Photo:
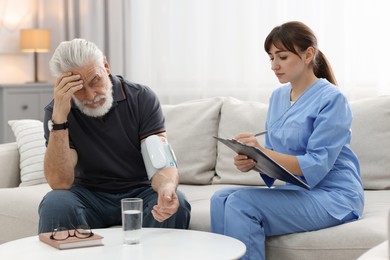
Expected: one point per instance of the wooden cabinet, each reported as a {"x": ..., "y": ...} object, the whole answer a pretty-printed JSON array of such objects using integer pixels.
[{"x": 22, "y": 101}]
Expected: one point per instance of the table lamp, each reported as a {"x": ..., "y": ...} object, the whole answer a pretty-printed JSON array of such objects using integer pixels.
[{"x": 35, "y": 40}]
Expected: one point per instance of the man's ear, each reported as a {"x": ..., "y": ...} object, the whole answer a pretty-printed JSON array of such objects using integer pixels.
[
  {"x": 106, "y": 66},
  {"x": 309, "y": 55}
]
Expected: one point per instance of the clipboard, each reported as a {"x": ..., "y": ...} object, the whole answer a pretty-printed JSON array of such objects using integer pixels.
[{"x": 264, "y": 164}]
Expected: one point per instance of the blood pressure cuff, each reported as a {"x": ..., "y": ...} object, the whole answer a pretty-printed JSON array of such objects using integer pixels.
[{"x": 157, "y": 154}]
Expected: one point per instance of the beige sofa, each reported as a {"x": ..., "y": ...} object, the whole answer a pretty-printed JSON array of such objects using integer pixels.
[{"x": 206, "y": 166}]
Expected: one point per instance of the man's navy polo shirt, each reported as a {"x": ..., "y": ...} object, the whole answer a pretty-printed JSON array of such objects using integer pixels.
[{"x": 108, "y": 148}]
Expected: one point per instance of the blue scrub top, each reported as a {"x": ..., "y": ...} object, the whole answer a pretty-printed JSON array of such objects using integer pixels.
[{"x": 316, "y": 129}]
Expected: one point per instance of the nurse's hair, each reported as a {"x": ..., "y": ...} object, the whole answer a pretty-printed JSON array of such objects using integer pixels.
[
  {"x": 292, "y": 35},
  {"x": 74, "y": 54}
]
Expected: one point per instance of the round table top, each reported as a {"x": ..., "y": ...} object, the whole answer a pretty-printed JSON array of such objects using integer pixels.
[
  {"x": 379, "y": 252},
  {"x": 155, "y": 243}
]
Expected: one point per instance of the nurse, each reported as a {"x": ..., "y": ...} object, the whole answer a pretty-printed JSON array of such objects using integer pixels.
[{"x": 308, "y": 133}]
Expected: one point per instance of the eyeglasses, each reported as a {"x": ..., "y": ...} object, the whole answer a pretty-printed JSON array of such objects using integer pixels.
[{"x": 62, "y": 233}]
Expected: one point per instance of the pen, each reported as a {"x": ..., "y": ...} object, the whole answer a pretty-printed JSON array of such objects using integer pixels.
[{"x": 261, "y": 133}]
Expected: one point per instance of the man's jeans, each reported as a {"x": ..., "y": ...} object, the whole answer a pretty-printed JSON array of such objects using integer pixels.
[{"x": 80, "y": 206}]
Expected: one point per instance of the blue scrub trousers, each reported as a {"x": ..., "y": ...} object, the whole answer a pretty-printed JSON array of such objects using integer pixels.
[
  {"x": 250, "y": 214},
  {"x": 80, "y": 206}
]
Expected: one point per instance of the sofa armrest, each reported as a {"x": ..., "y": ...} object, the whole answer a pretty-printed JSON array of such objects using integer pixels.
[{"x": 9, "y": 161}]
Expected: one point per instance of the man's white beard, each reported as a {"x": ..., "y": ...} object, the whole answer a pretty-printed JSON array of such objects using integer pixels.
[{"x": 100, "y": 110}]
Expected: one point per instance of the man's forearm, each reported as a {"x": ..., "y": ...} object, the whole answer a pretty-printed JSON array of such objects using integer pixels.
[
  {"x": 166, "y": 176},
  {"x": 59, "y": 161}
]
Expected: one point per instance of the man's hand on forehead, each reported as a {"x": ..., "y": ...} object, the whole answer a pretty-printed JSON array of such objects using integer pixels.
[
  {"x": 69, "y": 83},
  {"x": 70, "y": 77}
]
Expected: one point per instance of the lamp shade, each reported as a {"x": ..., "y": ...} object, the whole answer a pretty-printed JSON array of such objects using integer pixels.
[{"x": 34, "y": 40}]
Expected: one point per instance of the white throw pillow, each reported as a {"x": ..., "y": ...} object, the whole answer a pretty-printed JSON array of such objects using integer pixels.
[
  {"x": 31, "y": 145},
  {"x": 238, "y": 116},
  {"x": 190, "y": 130}
]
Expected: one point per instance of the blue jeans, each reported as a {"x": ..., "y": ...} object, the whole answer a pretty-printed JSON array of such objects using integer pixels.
[{"x": 80, "y": 206}]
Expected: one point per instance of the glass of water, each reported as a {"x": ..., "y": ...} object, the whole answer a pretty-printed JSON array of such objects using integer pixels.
[{"x": 132, "y": 209}]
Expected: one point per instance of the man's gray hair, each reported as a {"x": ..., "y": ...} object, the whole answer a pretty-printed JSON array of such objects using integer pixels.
[{"x": 73, "y": 54}]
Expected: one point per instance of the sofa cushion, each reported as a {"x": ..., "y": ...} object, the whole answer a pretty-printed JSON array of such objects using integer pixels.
[
  {"x": 199, "y": 198},
  {"x": 190, "y": 130},
  {"x": 19, "y": 211},
  {"x": 9, "y": 161},
  {"x": 238, "y": 116},
  {"x": 371, "y": 140},
  {"x": 31, "y": 145}
]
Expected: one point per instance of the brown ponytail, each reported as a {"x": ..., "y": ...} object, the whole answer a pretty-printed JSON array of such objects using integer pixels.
[
  {"x": 322, "y": 68},
  {"x": 293, "y": 35}
]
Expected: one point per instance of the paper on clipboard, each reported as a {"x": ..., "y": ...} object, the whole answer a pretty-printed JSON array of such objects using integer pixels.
[{"x": 264, "y": 164}]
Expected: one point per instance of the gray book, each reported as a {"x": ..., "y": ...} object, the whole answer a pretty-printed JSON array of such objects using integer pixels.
[{"x": 264, "y": 164}]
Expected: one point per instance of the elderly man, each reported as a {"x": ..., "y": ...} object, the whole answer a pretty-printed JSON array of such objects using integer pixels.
[{"x": 94, "y": 130}]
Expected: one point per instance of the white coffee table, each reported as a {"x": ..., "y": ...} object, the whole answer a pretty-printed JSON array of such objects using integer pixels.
[
  {"x": 155, "y": 244},
  {"x": 379, "y": 252}
]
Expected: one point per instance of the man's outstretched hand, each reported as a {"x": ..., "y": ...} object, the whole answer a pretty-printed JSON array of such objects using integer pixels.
[{"x": 167, "y": 203}]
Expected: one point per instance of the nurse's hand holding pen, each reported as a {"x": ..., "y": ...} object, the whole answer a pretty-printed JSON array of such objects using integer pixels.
[{"x": 243, "y": 162}]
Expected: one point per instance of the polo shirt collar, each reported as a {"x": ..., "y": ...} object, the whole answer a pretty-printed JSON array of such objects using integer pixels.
[{"x": 117, "y": 88}]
